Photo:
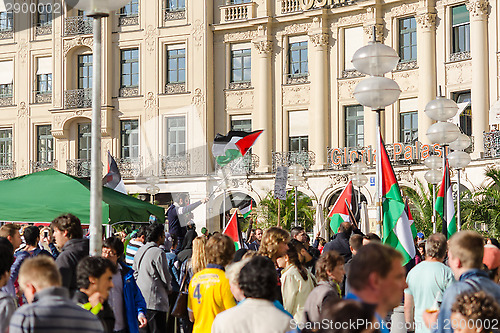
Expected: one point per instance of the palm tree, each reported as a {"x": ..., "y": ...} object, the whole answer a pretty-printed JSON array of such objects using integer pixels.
[
  {"x": 484, "y": 206},
  {"x": 305, "y": 212},
  {"x": 421, "y": 202}
]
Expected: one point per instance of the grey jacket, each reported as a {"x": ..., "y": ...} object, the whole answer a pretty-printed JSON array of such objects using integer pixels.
[
  {"x": 314, "y": 302},
  {"x": 7, "y": 308},
  {"x": 152, "y": 276}
]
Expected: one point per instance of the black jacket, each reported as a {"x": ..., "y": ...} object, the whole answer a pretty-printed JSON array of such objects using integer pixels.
[
  {"x": 340, "y": 243},
  {"x": 72, "y": 252}
]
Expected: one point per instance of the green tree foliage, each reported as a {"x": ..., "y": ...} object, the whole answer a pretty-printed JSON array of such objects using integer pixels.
[
  {"x": 484, "y": 206},
  {"x": 269, "y": 211},
  {"x": 421, "y": 206}
]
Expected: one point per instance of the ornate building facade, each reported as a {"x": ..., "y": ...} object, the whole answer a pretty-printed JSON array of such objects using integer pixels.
[{"x": 176, "y": 72}]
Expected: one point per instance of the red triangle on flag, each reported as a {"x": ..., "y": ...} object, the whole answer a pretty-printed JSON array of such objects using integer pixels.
[
  {"x": 231, "y": 229},
  {"x": 245, "y": 143},
  {"x": 340, "y": 206}
]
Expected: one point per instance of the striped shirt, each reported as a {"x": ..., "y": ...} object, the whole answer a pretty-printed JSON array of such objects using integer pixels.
[
  {"x": 53, "y": 311},
  {"x": 131, "y": 250}
]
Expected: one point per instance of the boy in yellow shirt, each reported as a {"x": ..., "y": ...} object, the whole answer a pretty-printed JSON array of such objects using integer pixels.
[{"x": 209, "y": 292}]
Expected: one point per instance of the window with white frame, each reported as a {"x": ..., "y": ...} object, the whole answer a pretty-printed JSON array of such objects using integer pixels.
[
  {"x": 6, "y": 21},
  {"x": 6, "y": 78},
  {"x": 44, "y": 11},
  {"x": 5, "y": 147},
  {"x": 460, "y": 33},
  {"x": 298, "y": 130},
  {"x": 297, "y": 56},
  {"x": 44, "y": 144},
  {"x": 241, "y": 63},
  {"x": 44, "y": 75},
  {"x": 354, "y": 126},
  {"x": 408, "y": 120},
  {"x": 176, "y": 64},
  {"x": 176, "y": 136},
  {"x": 241, "y": 123},
  {"x": 130, "y": 9},
  {"x": 407, "y": 39},
  {"x": 129, "y": 136},
  {"x": 130, "y": 68}
]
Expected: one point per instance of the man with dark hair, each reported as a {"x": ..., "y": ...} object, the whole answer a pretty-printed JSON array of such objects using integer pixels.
[
  {"x": 176, "y": 215},
  {"x": 7, "y": 302},
  {"x": 465, "y": 258},
  {"x": 209, "y": 290},
  {"x": 340, "y": 241},
  {"x": 134, "y": 245},
  {"x": 255, "y": 245},
  {"x": 11, "y": 232},
  {"x": 152, "y": 276},
  {"x": 125, "y": 298},
  {"x": 371, "y": 237},
  {"x": 376, "y": 276},
  {"x": 256, "y": 313},
  {"x": 94, "y": 279},
  {"x": 50, "y": 310},
  {"x": 427, "y": 282},
  {"x": 299, "y": 234},
  {"x": 68, "y": 234}
]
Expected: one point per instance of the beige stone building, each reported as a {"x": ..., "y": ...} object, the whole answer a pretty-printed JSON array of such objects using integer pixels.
[{"x": 176, "y": 72}]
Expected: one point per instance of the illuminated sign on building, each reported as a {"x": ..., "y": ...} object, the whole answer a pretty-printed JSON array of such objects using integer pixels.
[{"x": 409, "y": 153}]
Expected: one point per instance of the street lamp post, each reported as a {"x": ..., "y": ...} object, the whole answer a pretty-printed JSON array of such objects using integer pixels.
[
  {"x": 296, "y": 178},
  {"x": 97, "y": 9},
  {"x": 442, "y": 132},
  {"x": 358, "y": 179},
  {"x": 459, "y": 159},
  {"x": 376, "y": 91},
  {"x": 433, "y": 176}
]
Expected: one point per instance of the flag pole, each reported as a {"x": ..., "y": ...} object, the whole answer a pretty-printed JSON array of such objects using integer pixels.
[
  {"x": 351, "y": 215},
  {"x": 444, "y": 227},
  {"x": 434, "y": 225},
  {"x": 379, "y": 176},
  {"x": 279, "y": 211}
]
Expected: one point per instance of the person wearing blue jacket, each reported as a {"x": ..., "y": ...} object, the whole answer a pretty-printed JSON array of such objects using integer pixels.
[{"x": 125, "y": 298}]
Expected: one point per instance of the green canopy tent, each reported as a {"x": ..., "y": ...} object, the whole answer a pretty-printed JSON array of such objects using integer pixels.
[{"x": 44, "y": 195}]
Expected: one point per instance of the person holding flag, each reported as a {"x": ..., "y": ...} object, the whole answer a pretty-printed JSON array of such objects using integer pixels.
[{"x": 342, "y": 222}]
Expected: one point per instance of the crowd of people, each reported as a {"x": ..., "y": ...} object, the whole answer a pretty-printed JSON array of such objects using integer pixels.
[{"x": 159, "y": 279}]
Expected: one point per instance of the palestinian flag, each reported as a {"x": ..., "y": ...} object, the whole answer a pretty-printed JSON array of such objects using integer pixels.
[
  {"x": 232, "y": 229},
  {"x": 410, "y": 218},
  {"x": 444, "y": 203},
  {"x": 227, "y": 148},
  {"x": 246, "y": 210},
  {"x": 396, "y": 224},
  {"x": 113, "y": 179},
  {"x": 340, "y": 212}
]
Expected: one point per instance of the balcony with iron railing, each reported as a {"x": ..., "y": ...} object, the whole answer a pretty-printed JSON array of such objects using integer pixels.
[
  {"x": 78, "y": 98},
  {"x": 237, "y": 12},
  {"x": 43, "y": 97},
  {"x": 8, "y": 170},
  {"x": 174, "y": 165},
  {"x": 43, "y": 29},
  {"x": 300, "y": 78},
  {"x": 242, "y": 166},
  {"x": 78, "y": 168},
  {"x": 491, "y": 144},
  {"x": 130, "y": 168},
  {"x": 37, "y": 166},
  {"x": 77, "y": 25},
  {"x": 125, "y": 20},
  {"x": 289, "y": 158},
  {"x": 174, "y": 13},
  {"x": 290, "y": 6}
]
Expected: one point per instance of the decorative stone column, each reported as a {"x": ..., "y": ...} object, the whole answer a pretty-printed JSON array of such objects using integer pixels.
[
  {"x": 426, "y": 61},
  {"x": 262, "y": 115},
  {"x": 318, "y": 110},
  {"x": 478, "y": 10}
]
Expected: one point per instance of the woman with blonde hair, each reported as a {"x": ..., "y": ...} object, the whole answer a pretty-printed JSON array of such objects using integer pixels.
[{"x": 274, "y": 243}]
